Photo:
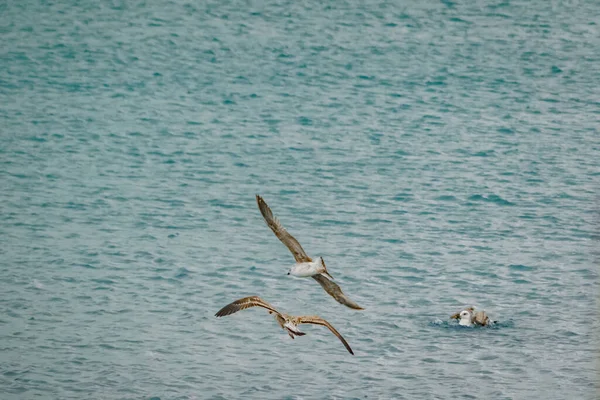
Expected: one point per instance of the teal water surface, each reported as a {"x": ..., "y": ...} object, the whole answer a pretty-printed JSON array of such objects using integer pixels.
[{"x": 437, "y": 154}]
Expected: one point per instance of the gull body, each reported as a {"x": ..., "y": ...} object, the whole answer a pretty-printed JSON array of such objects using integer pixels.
[
  {"x": 470, "y": 317},
  {"x": 308, "y": 268}
]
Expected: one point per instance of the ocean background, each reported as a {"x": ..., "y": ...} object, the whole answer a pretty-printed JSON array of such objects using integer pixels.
[{"x": 437, "y": 154}]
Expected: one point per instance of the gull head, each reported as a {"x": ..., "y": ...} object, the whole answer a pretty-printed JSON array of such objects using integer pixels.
[{"x": 465, "y": 318}]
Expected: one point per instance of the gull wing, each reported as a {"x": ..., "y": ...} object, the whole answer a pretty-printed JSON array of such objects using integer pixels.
[
  {"x": 335, "y": 291},
  {"x": 280, "y": 232},
  {"x": 242, "y": 304},
  {"x": 480, "y": 318},
  {"x": 320, "y": 321}
]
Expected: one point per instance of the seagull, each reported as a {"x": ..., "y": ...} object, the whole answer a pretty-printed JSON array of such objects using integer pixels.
[
  {"x": 470, "y": 317},
  {"x": 286, "y": 322},
  {"x": 305, "y": 267}
]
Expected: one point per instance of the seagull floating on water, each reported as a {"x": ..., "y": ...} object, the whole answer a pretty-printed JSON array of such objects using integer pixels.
[
  {"x": 285, "y": 321},
  {"x": 470, "y": 317},
  {"x": 305, "y": 267}
]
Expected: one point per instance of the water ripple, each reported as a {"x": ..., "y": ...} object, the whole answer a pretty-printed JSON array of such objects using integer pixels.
[{"x": 438, "y": 155}]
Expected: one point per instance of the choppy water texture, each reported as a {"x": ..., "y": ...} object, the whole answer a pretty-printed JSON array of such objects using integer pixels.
[{"x": 437, "y": 154}]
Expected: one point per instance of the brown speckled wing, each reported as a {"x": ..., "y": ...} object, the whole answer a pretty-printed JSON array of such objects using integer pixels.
[
  {"x": 480, "y": 318},
  {"x": 320, "y": 321},
  {"x": 242, "y": 304},
  {"x": 335, "y": 291},
  {"x": 281, "y": 233}
]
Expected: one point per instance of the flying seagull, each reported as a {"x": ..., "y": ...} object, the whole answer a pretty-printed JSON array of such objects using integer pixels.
[
  {"x": 286, "y": 322},
  {"x": 470, "y": 317},
  {"x": 305, "y": 266}
]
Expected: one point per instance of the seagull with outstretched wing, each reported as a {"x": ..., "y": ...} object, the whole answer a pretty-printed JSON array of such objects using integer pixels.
[
  {"x": 305, "y": 266},
  {"x": 287, "y": 322}
]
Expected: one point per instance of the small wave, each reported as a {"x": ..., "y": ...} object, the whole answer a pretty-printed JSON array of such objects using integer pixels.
[
  {"x": 182, "y": 273},
  {"x": 454, "y": 325},
  {"x": 492, "y": 198},
  {"x": 520, "y": 267}
]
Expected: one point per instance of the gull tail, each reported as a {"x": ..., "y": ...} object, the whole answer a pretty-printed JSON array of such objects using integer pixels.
[
  {"x": 325, "y": 272},
  {"x": 293, "y": 332}
]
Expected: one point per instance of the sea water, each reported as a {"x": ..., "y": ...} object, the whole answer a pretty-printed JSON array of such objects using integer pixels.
[{"x": 437, "y": 154}]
